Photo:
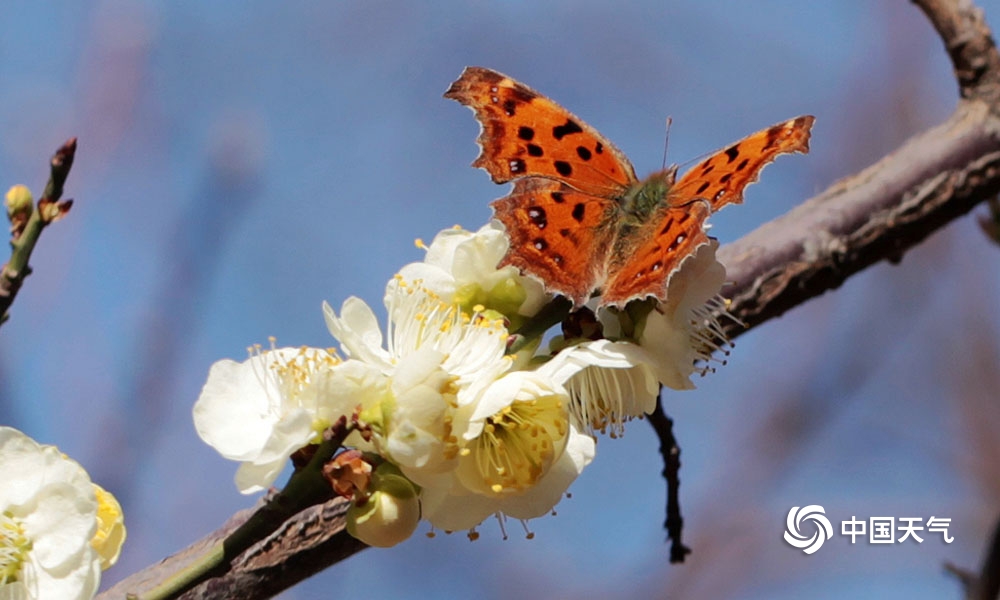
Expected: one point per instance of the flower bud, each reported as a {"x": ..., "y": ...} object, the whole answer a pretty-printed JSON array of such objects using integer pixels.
[
  {"x": 18, "y": 202},
  {"x": 391, "y": 511}
]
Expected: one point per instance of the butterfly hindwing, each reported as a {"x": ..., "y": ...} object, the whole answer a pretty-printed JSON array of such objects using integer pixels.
[
  {"x": 641, "y": 263},
  {"x": 558, "y": 235}
]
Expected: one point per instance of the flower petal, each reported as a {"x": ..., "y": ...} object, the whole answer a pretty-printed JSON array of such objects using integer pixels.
[{"x": 357, "y": 330}]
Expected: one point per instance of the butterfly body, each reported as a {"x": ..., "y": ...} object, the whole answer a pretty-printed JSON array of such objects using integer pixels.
[
  {"x": 578, "y": 218},
  {"x": 645, "y": 198}
]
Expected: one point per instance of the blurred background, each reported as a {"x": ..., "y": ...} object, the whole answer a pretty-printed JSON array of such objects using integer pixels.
[{"x": 241, "y": 162}]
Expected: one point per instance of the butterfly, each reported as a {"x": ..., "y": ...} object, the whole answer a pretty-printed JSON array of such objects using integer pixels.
[{"x": 578, "y": 219}]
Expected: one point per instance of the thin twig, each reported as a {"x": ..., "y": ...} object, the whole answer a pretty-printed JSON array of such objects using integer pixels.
[
  {"x": 671, "y": 453},
  {"x": 25, "y": 236}
]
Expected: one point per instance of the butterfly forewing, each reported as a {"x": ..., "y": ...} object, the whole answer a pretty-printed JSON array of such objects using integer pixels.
[
  {"x": 722, "y": 177},
  {"x": 526, "y": 134}
]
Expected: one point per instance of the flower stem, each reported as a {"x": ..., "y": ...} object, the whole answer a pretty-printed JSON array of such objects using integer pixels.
[{"x": 552, "y": 313}]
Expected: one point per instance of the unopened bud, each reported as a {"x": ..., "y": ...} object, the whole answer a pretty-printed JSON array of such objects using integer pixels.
[
  {"x": 19, "y": 202},
  {"x": 390, "y": 513}
]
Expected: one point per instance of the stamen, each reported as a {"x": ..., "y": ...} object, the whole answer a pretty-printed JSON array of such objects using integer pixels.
[{"x": 14, "y": 548}]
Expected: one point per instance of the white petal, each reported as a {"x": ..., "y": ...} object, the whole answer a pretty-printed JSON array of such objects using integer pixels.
[
  {"x": 14, "y": 591},
  {"x": 432, "y": 277},
  {"x": 257, "y": 477},
  {"x": 441, "y": 252},
  {"x": 60, "y": 523},
  {"x": 76, "y": 581},
  {"x": 236, "y": 410},
  {"x": 357, "y": 330},
  {"x": 698, "y": 280},
  {"x": 292, "y": 432},
  {"x": 27, "y": 465},
  {"x": 455, "y": 512},
  {"x": 543, "y": 496}
]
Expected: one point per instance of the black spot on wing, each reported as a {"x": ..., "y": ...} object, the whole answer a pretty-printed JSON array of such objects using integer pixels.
[
  {"x": 510, "y": 107},
  {"x": 732, "y": 152},
  {"x": 526, "y": 133},
  {"x": 772, "y": 136},
  {"x": 558, "y": 197},
  {"x": 725, "y": 178},
  {"x": 599, "y": 148},
  {"x": 537, "y": 216},
  {"x": 583, "y": 153},
  {"x": 568, "y": 128},
  {"x": 534, "y": 150},
  {"x": 702, "y": 188},
  {"x": 563, "y": 168},
  {"x": 579, "y": 211},
  {"x": 743, "y": 164}
]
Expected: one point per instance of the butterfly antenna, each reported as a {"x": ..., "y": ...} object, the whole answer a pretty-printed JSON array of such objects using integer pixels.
[{"x": 666, "y": 141}]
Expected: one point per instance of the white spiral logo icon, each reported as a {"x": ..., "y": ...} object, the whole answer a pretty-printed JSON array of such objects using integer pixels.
[{"x": 793, "y": 532}]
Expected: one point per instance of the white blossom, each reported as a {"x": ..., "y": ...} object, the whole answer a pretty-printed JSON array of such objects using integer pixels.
[
  {"x": 48, "y": 516},
  {"x": 521, "y": 452},
  {"x": 262, "y": 410}
]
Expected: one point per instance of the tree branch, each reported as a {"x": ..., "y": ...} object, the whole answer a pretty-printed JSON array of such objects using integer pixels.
[
  {"x": 875, "y": 215},
  {"x": 889, "y": 207}
]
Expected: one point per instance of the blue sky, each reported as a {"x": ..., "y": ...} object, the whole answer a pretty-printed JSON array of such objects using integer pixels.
[{"x": 239, "y": 163}]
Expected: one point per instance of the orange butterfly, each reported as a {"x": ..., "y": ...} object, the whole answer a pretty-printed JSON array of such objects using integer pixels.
[{"x": 578, "y": 218}]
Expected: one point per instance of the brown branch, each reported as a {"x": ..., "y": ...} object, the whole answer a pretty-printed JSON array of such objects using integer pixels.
[
  {"x": 891, "y": 206},
  {"x": 305, "y": 544},
  {"x": 670, "y": 451},
  {"x": 875, "y": 215}
]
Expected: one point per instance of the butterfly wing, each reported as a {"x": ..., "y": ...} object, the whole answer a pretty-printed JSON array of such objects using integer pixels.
[
  {"x": 525, "y": 134},
  {"x": 558, "y": 235},
  {"x": 643, "y": 260},
  {"x": 722, "y": 177}
]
